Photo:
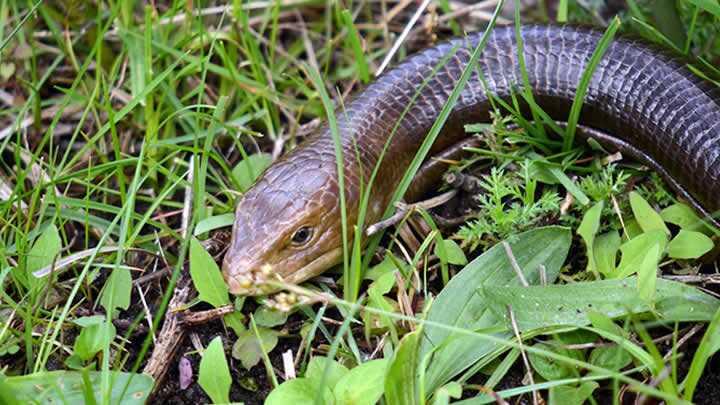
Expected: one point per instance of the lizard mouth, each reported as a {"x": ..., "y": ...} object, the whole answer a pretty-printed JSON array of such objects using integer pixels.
[{"x": 242, "y": 280}]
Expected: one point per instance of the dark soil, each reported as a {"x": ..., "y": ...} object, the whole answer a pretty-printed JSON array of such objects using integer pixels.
[
  {"x": 708, "y": 390},
  {"x": 250, "y": 387}
]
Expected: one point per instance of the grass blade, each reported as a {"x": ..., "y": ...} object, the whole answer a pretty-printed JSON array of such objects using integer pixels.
[
  {"x": 597, "y": 55},
  {"x": 354, "y": 41},
  {"x": 709, "y": 345},
  {"x": 319, "y": 84}
]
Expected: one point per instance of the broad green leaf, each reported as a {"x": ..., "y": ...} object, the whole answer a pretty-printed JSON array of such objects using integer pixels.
[
  {"x": 6, "y": 70},
  {"x": 299, "y": 391},
  {"x": 376, "y": 299},
  {"x": 206, "y": 276},
  {"x": 636, "y": 250},
  {"x": 117, "y": 291},
  {"x": 551, "y": 369},
  {"x": 247, "y": 349},
  {"x": 214, "y": 375},
  {"x": 316, "y": 369},
  {"x": 68, "y": 387},
  {"x": 450, "y": 390},
  {"x": 401, "y": 383},
  {"x": 605, "y": 251},
  {"x": 459, "y": 305},
  {"x": 46, "y": 247},
  {"x": 74, "y": 362},
  {"x": 683, "y": 216},
  {"x": 86, "y": 321},
  {"x": 575, "y": 337},
  {"x": 569, "y": 395},
  {"x": 647, "y": 273},
  {"x": 632, "y": 229},
  {"x": 603, "y": 322},
  {"x": 387, "y": 265},
  {"x": 247, "y": 171},
  {"x": 689, "y": 245},
  {"x": 267, "y": 317},
  {"x": 382, "y": 285},
  {"x": 43, "y": 252},
  {"x": 214, "y": 222},
  {"x": 538, "y": 307},
  {"x": 610, "y": 357},
  {"x": 453, "y": 253},
  {"x": 9, "y": 347},
  {"x": 363, "y": 384},
  {"x": 92, "y": 339},
  {"x": 588, "y": 229},
  {"x": 681, "y": 302},
  {"x": 235, "y": 321},
  {"x": 645, "y": 215}
]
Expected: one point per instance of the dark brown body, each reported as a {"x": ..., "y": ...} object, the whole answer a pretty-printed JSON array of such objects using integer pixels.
[
  {"x": 641, "y": 101},
  {"x": 654, "y": 107}
]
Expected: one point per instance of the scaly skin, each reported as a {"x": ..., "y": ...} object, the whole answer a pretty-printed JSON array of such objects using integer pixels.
[{"x": 641, "y": 101}]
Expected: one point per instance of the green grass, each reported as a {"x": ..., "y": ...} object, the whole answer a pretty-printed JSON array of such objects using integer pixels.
[{"x": 133, "y": 127}]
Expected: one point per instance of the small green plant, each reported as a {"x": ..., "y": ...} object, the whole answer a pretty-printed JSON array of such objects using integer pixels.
[
  {"x": 603, "y": 184},
  {"x": 655, "y": 191},
  {"x": 646, "y": 241},
  {"x": 326, "y": 381},
  {"x": 214, "y": 376},
  {"x": 508, "y": 205}
]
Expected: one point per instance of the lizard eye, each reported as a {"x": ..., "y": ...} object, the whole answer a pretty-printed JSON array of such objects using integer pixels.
[{"x": 302, "y": 236}]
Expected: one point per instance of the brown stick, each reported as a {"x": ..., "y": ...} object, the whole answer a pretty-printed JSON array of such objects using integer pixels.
[
  {"x": 193, "y": 318},
  {"x": 403, "y": 209},
  {"x": 170, "y": 337}
]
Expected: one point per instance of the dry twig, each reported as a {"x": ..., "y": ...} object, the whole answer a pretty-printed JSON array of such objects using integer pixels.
[{"x": 404, "y": 209}]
